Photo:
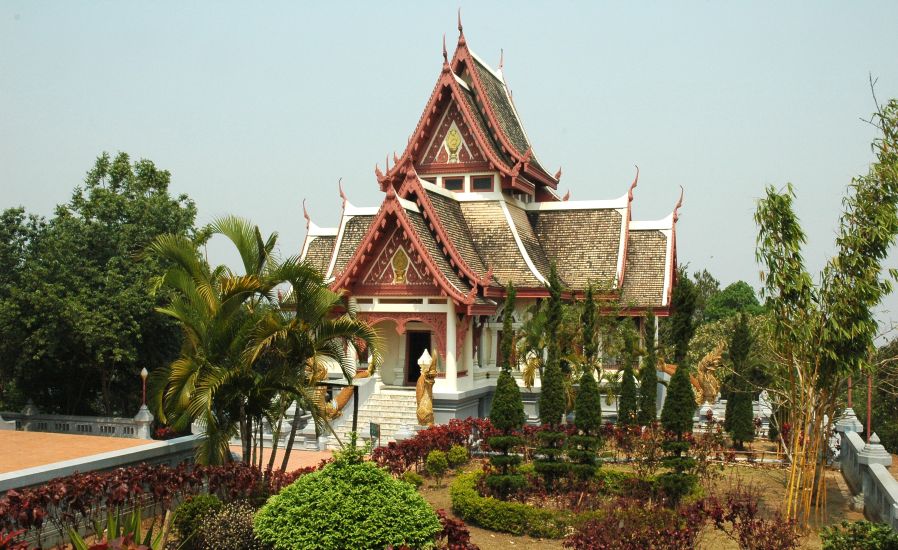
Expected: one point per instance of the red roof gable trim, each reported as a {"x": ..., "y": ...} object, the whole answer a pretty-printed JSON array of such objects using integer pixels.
[
  {"x": 622, "y": 271},
  {"x": 413, "y": 185},
  {"x": 393, "y": 206}
]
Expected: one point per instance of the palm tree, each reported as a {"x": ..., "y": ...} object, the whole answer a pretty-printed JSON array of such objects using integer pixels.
[
  {"x": 210, "y": 383},
  {"x": 307, "y": 333}
]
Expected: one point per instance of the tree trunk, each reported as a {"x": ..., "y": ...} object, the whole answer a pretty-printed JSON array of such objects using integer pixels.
[
  {"x": 296, "y": 417},
  {"x": 276, "y": 438}
]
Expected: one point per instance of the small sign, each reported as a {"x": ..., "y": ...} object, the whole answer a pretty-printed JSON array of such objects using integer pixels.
[{"x": 374, "y": 430}]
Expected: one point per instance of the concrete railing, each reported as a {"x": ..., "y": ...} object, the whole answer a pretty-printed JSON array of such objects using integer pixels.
[
  {"x": 865, "y": 468},
  {"x": 32, "y": 420}
]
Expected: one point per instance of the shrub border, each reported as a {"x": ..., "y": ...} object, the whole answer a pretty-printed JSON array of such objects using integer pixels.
[{"x": 509, "y": 517}]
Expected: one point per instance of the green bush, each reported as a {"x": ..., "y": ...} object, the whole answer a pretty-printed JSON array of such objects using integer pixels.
[
  {"x": 502, "y": 516},
  {"x": 457, "y": 456},
  {"x": 410, "y": 476},
  {"x": 436, "y": 464},
  {"x": 347, "y": 504},
  {"x": 230, "y": 527},
  {"x": 190, "y": 515},
  {"x": 859, "y": 535}
]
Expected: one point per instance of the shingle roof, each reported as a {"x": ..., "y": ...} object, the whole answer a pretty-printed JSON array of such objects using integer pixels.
[
  {"x": 528, "y": 237},
  {"x": 495, "y": 243},
  {"x": 646, "y": 265},
  {"x": 584, "y": 244},
  {"x": 319, "y": 252},
  {"x": 453, "y": 221},
  {"x": 468, "y": 97},
  {"x": 353, "y": 233},
  {"x": 495, "y": 91}
]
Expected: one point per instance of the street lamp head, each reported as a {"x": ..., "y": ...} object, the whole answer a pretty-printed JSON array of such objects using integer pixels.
[{"x": 144, "y": 373}]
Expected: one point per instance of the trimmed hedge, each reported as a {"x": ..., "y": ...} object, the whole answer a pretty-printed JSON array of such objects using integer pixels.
[{"x": 508, "y": 517}]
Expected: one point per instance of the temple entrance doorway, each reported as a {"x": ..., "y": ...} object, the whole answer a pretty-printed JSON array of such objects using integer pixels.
[{"x": 416, "y": 342}]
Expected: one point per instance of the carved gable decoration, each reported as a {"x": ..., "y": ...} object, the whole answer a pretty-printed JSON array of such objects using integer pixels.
[
  {"x": 453, "y": 142},
  {"x": 394, "y": 266}
]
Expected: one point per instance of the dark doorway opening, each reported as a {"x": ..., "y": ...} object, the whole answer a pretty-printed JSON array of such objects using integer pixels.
[{"x": 418, "y": 341}]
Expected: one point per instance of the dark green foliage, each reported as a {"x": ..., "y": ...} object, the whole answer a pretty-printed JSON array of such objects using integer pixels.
[
  {"x": 627, "y": 405},
  {"x": 648, "y": 377},
  {"x": 738, "y": 297},
  {"x": 590, "y": 340},
  {"x": 740, "y": 419},
  {"x": 230, "y": 527},
  {"x": 77, "y": 322},
  {"x": 507, "y": 415},
  {"x": 508, "y": 329},
  {"x": 588, "y": 404},
  {"x": 551, "y": 397},
  {"x": 859, "y": 535},
  {"x": 507, "y": 411},
  {"x": 679, "y": 406},
  {"x": 549, "y": 461},
  {"x": 190, "y": 515},
  {"x": 457, "y": 456},
  {"x": 350, "y": 503},
  {"x": 680, "y": 326}
]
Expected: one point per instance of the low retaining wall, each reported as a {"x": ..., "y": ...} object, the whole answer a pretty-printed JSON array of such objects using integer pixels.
[
  {"x": 171, "y": 452},
  {"x": 31, "y": 420},
  {"x": 865, "y": 468}
]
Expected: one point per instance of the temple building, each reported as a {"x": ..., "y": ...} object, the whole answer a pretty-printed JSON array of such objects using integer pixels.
[{"x": 467, "y": 208}]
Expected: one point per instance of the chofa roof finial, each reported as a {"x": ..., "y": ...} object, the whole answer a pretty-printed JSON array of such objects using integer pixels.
[
  {"x": 461, "y": 31},
  {"x": 558, "y": 174},
  {"x": 676, "y": 211},
  {"x": 501, "y": 59},
  {"x": 633, "y": 185},
  {"x": 342, "y": 194},
  {"x": 567, "y": 196},
  {"x": 305, "y": 214},
  {"x": 445, "y": 53}
]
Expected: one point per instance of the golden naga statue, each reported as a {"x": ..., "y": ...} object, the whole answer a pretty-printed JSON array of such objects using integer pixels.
[
  {"x": 424, "y": 389},
  {"x": 705, "y": 382}
]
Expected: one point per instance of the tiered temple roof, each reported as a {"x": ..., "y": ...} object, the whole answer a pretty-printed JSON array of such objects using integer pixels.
[{"x": 474, "y": 209}]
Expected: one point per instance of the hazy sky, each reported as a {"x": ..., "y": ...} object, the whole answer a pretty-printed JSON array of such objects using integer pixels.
[{"x": 255, "y": 106}]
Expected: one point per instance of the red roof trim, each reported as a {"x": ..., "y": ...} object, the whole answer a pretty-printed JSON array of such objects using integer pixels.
[
  {"x": 462, "y": 54},
  {"x": 412, "y": 185},
  {"x": 391, "y": 206}
]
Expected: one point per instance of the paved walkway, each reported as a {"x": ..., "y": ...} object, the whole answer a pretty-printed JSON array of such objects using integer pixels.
[
  {"x": 298, "y": 458},
  {"x": 20, "y": 450}
]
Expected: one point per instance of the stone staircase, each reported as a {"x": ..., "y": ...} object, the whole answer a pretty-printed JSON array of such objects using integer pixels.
[{"x": 392, "y": 409}]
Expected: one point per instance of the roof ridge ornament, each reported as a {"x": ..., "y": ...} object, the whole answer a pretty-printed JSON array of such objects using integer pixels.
[
  {"x": 305, "y": 214},
  {"x": 558, "y": 174},
  {"x": 445, "y": 54},
  {"x": 501, "y": 61},
  {"x": 461, "y": 31},
  {"x": 633, "y": 186},
  {"x": 567, "y": 196},
  {"x": 342, "y": 194},
  {"x": 676, "y": 210}
]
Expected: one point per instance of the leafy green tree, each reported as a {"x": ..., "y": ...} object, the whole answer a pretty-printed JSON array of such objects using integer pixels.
[
  {"x": 706, "y": 287},
  {"x": 648, "y": 377},
  {"x": 738, "y": 297},
  {"x": 588, "y": 420},
  {"x": 551, "y": 398},
  {"x": 627, "y": 408},
  {"x": 824, "y": 333},
  {"x": 677, "y": 330},
  {"x": 740, "y": 423},
  {"x": 679, "y": 405},
  {"x": 76, "y": 322},
  {"x": 506, "y": 415},
  {"x": 552, "y": 401}
]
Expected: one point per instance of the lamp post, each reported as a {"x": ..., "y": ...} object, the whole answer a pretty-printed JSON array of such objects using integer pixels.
[
  {"x": 144, "y": 417},
  {"x": 143, "y": 377}
]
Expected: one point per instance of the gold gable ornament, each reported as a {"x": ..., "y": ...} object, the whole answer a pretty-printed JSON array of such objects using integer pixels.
[
  {"x": 453, "y": 143},
  {"x": 400, "y": 267}
]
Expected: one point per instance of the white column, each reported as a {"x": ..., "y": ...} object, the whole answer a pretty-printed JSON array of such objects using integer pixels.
[
  {"x": 451, "y": 367},
  {"x": 493, "y": 355},
  {"x": 467, "y": 382}
]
